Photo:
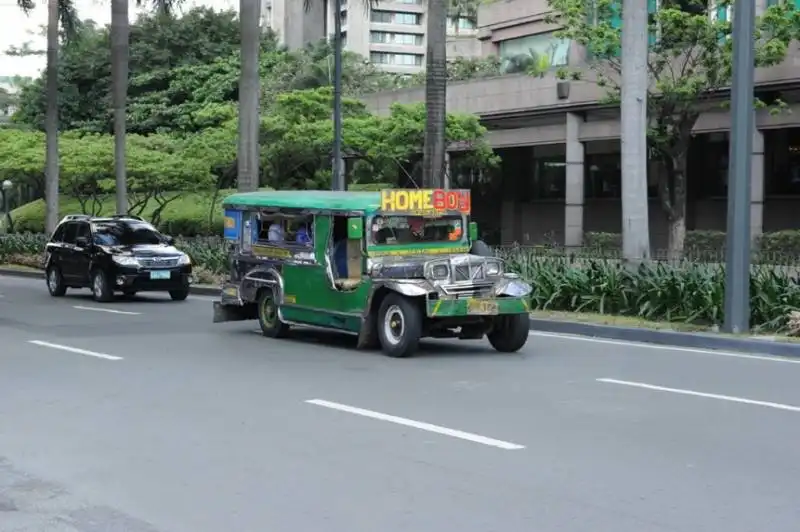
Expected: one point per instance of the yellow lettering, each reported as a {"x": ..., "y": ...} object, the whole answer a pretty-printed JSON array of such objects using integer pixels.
[
  {"x": 387, "y": 200},
  {"x": 401, "y": 200}
]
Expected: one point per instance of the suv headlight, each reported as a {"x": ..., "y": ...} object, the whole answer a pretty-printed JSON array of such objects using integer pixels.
[
  {"x": 184, "y": 260},
  {"x": 438, "y": 272},
  {"x": 494, "y": 267},
  {"x": 125, "y": 260}
]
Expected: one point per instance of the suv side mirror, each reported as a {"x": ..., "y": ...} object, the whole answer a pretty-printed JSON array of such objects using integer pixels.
[
  {"x": 355, "y": 228},
  {"x": 82, "y": 242},
  {"x": 169, "y": 239}
]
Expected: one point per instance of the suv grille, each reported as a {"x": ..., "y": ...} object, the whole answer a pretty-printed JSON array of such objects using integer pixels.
[{"x": 159, "y": 262}]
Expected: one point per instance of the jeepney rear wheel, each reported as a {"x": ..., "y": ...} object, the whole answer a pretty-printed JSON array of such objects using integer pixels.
[
  {"x": 268, "y": 319},
  {"x": 399, "y": 326},
  {"x": 509, "y": 333}
]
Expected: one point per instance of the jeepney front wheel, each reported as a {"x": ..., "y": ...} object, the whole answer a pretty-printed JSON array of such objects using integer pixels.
[
  {"x": 509, "y": 332},
  {"x": 268, "y": 319},
  {"x": 399, "y": 326}
]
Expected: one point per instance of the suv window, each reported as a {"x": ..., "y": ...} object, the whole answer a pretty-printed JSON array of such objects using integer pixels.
[
  {"x": 118, "y": 233},
  {"x": 58, "y": 235},
  {"x": 70, "y": 232},
  {"x": 83, "y": 230}
]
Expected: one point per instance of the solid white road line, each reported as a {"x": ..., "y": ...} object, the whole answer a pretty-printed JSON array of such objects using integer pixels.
[
  {"x": 110, "y": 311},
  {"x": 417, "y": 425},
  {"x": 74, "y": 350},
  {"x": 779, "y": 406},
  {"x": 768, "y": 358}
]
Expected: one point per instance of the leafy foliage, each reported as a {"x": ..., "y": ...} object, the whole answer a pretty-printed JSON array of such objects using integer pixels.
[{"x": 690, "y": 62}]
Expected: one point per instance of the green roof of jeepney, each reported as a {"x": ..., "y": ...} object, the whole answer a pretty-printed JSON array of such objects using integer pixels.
[{"x": 324, "y": 200}]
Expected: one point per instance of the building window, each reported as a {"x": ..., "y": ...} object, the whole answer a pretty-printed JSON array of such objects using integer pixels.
[
  {"x": 385, "y": 58},
  {"x": 462, "y": 23},
  {"x": 414, "y": 2},
  {"x": 385, "y": 37},
  {"x": 549, "y": 178},
  {"x": 394, "y": 17},
  {"x": 602, "y": 176},
  {"x": 544, "y": 44}
]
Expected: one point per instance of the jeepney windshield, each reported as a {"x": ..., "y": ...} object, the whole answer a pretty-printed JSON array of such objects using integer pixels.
[{"x": 408, "y": 229}]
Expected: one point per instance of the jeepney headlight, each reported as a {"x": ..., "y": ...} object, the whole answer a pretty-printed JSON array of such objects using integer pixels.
[
  {"x": 493, "y": 268},
  {"x": 439, "y": 272}
]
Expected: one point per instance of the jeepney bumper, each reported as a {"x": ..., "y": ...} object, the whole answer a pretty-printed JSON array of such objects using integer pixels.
[
  {"x": 230, "y": 307},
  {"x": 476, "y": 307}
]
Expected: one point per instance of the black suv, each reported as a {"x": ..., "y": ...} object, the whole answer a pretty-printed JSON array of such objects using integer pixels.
[{"x": 120, "y": 253}]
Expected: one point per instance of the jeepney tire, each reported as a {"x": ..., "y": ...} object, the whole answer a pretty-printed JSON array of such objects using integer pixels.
[
  {"x": 481, "y": 248},
  {"x": 55, "y": 282},
  {"x": 510, "y": 333},
  {"x": 270, "y": 327},
  {"x": 406, "y": 342},
  {"x": 101, "y": 287},
  {"x": 178, "y": 295}
]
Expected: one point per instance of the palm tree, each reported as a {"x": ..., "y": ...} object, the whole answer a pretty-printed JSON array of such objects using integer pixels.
[
  {"x": 249, "y": 93},
  {"x": 57, "y": 11},
  {"x": 120, "y": 45}
]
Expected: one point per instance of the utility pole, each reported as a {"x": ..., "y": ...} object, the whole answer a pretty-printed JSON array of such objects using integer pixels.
[
  {"x": 249, "y": 92},
  {"x": 737, "y": 263},
  {"x": 633, "y": 110},
  {"x": 337, "y": 162}
]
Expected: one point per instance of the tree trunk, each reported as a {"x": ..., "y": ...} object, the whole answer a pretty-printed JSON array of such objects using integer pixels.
[
  {"x": 249, "y": 17},
  {"x": 672, "y": 189},
  {"x": 51, "y": 119},
  {"x": 119, "y": 82},
  {"x": 433, "y": 165},
  {"x": 635, "y": 222}
]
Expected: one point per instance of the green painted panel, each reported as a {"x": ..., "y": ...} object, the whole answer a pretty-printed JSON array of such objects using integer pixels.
[
  {"x": 445, "y": 308},
  {"x": 368, "y": 202},
  {"x": 434, "y": 248}
]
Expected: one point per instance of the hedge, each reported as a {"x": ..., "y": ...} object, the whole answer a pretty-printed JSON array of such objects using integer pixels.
[
  {"x": 779, "y": 247},
  {"x": 688, "y": 292}
]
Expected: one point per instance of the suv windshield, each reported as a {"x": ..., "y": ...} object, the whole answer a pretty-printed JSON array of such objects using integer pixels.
[
  {"x": 118, "y": 233},
  {"x": 399, "y": 229}
]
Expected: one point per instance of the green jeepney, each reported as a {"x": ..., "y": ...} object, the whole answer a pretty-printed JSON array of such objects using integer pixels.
[{"x": 391, "y": 267}]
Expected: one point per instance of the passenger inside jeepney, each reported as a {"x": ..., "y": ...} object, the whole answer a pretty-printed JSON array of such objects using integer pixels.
[{"x": 400, "y": 230}]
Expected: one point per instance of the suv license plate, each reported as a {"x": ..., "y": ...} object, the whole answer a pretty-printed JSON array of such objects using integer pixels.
[
  {"x": 159, "y": 275},
  {"x": 481, "y": 306}
]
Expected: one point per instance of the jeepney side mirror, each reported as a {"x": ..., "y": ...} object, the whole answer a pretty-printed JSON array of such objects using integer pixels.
[
  {"x": 473, "y": 231},
  {"x": 355, "y": 228}
]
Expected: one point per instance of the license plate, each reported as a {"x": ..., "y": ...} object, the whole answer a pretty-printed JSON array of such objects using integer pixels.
[
  {"x": 160, "y": 275},
  {"x": 481, "y": 306}
]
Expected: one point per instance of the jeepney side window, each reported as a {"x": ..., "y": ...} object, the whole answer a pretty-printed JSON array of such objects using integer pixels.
[
  {"x": 269, "y": 228},
  {"x": 300, "y": 230}
]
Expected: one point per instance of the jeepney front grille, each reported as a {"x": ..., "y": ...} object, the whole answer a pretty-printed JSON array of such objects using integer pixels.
[
  {"x": 464, "y": 291},
  {"x": 464, "y": 272}
]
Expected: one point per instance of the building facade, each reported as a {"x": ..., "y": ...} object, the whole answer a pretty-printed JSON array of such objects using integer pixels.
[
  {"x": 391, "y": 36},
  {"x": 560, "y": 148}
]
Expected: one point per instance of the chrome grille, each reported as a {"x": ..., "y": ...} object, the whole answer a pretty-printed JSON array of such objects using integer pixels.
[
  {"x": 159, "y": 262},
  {"x": 468, "y": 272}
]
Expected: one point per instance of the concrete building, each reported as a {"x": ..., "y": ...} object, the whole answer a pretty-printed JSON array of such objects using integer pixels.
[
  {"x": 392, "y": 36},
  {"x": 560, "y": 175}
]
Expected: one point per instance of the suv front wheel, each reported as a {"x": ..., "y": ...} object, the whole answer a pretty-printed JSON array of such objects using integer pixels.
[
  {"x": 55, "y": 282},
  {"x": 101, "y": 288}
]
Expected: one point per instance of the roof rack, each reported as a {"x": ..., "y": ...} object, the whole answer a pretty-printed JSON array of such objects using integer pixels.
[
  {"x": 71, "y": 217},
  {"x": 128, "y": 217}
]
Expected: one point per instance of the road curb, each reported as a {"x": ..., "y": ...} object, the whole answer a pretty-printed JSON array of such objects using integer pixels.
[
  {"x": 667, "y": 338},
  {"x": 198, "y": 290}
]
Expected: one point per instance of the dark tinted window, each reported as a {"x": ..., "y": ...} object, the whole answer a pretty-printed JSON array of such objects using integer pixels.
[
  {"x": 116, "y": 233},
  {"x": 70, "y": 232},
  {"x": 83, "y": 230},
  {"x": 58, "y": 236}
]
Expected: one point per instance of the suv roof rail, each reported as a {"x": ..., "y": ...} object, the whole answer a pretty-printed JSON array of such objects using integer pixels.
[
  {"x": 71, "y": 217},
  {"x": 128, "y": 216}
]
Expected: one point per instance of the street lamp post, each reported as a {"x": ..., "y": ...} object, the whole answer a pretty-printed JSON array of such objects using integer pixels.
[
  {"x": 737, "y": 263},
  {"x": 7, "y": 184}
]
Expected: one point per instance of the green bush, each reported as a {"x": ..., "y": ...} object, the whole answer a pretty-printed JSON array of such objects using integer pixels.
[
  {"x": 780, "y": 243},
  {"x": 688, "y": 292},
  {"x": 602, "y": 241}
]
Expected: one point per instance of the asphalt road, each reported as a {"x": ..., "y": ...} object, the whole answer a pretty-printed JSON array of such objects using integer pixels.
[{"x": 143, "y": 416}]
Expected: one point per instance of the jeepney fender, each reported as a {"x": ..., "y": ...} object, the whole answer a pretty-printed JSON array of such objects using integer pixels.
[
  {"x": 368, "y": 335},
  {"x": 258, "y": 278},
  {"x": 513, "y": 287}
]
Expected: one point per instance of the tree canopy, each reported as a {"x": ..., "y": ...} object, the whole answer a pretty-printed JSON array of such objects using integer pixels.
[{"x": 690, "y": 68}]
